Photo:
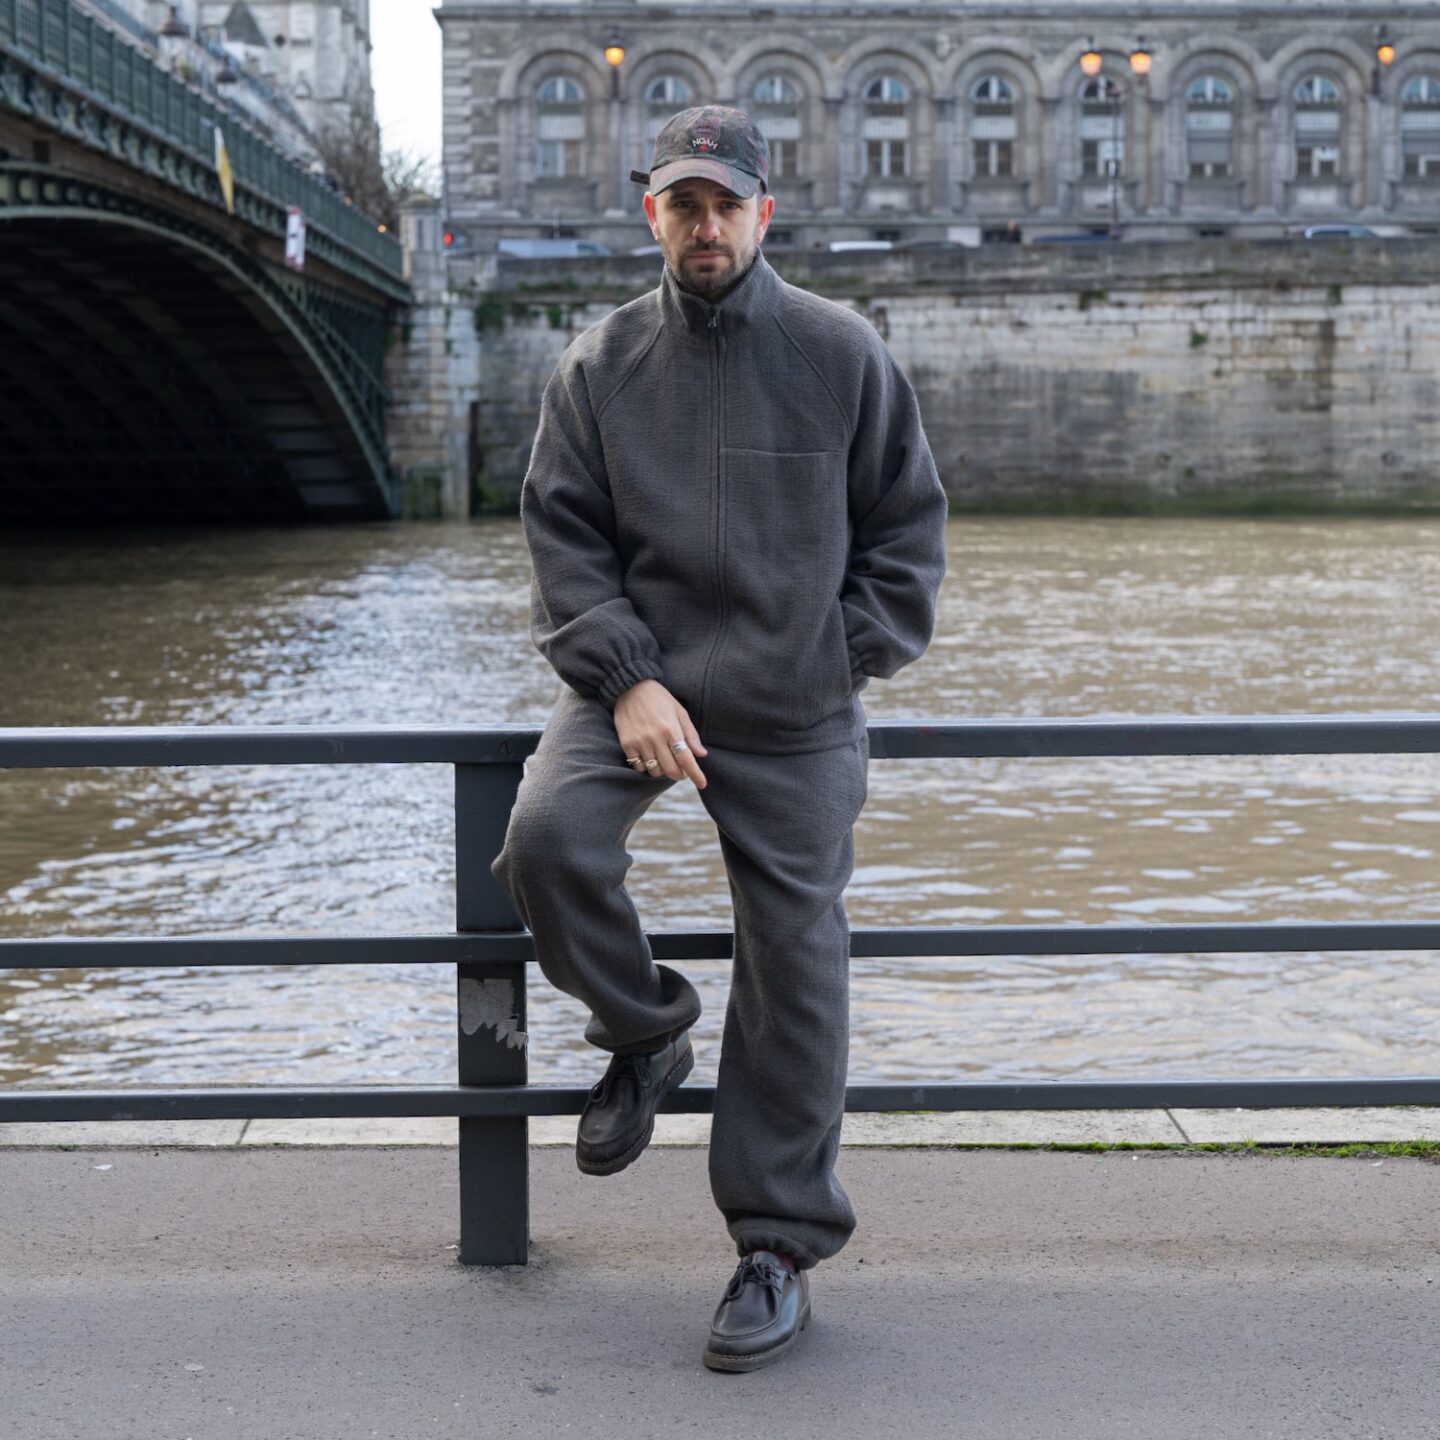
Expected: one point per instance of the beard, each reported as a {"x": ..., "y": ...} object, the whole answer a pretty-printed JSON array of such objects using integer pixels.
[{"x": 714, "y": 279}]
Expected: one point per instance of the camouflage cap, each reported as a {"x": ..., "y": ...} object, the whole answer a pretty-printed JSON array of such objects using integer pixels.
[{"x": 709, "y": 142}]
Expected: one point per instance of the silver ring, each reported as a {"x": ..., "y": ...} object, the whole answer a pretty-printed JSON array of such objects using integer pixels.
[{"x": 679, "y": 745}]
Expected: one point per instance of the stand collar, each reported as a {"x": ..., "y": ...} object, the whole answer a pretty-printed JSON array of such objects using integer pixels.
[{"x": 754, "y": 294}]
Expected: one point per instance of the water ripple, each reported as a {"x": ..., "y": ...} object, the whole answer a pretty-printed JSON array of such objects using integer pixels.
[{"x": 423, "y": 624}]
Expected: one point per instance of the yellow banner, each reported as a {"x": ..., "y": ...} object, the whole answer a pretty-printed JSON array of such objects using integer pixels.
[{"x": 223, "y": 170}]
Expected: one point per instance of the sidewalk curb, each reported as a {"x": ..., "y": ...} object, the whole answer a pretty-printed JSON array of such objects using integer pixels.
[{"x": 1178, "y": 1129}]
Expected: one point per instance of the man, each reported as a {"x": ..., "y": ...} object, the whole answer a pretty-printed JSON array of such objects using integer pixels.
[{"x": 733, "y": 520}]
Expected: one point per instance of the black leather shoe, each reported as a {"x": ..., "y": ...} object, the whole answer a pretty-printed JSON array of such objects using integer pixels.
[
  {"x": 761, "y": 1315},
  {"x": 619, "y": 1117}
]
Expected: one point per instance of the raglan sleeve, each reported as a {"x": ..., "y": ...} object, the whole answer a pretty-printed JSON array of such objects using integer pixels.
[
  {"x": 580, "y": 618},
  {"x": 899, "y": 509}
]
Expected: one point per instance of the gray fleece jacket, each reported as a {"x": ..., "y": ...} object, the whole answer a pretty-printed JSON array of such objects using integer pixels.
[{"x": 738, "y": 501}]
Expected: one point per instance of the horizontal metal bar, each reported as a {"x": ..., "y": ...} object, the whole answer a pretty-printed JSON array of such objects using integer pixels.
[
  {"x": 106, "y": 745},
  {"x": 196, "y": 950},
  {"x": 481, "y": 947},
  {"x": 1228, "y": 939},
  {"x": 1221, "y": 735},
  {"x": 348, "y": 1102},
  {"x": 125, "y": 745}
]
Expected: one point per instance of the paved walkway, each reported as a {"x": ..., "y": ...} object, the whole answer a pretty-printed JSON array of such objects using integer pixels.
[{"x": 233, "y": 1292}]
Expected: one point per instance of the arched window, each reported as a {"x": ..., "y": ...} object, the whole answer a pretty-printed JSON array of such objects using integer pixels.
[
  {"x": 668, "y": 90},
  {"x": 1209, "y": 127},
  {"x": 663, "y": 97},
  {"x": 1319, "y": 119},
  {"x": 1102, "y": 127},
  {"x": 776, "y": 110},
  {"x": 1420, "y": 127},
  {"x": 992, "y": 127},
  {"x": 886, "y": 127},
  {"x": 559, "y": 128}
]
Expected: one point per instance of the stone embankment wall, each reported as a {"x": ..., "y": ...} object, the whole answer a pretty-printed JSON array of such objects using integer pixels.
[{"x": 1213, "y": 374}]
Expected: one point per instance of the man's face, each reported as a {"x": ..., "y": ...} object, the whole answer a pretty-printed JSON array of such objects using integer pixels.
[{"x": 707, "y": 234}]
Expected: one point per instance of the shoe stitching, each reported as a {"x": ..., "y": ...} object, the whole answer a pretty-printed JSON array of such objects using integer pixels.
[{"x": 725, "y": 1360}]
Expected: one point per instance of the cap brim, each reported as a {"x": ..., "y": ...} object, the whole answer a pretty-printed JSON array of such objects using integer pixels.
[{"x": 739, "y": 182}]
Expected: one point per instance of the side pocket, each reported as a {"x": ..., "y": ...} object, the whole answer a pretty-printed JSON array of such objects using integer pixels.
[{"x": 844, "y": 686}]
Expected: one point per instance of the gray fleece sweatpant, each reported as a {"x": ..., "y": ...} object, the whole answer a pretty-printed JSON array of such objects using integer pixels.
[{"x": 785, "y": 824}]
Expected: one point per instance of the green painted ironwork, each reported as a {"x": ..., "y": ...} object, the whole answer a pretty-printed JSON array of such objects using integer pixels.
[{"x": 65, "y": 70}]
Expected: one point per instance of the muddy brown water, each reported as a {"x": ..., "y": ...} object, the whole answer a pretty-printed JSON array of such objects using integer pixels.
[{"x": 425, "y": 624}]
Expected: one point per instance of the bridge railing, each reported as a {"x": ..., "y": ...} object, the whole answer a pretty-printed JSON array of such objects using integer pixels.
[
  {"x": 490, "y": 948},
  {"x": 111, "y": 73}
]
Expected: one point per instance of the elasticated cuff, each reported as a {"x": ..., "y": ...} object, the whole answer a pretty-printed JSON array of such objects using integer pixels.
[
  {"x": 621, "y": 680},
  {"x": 748, "y": 1240}
]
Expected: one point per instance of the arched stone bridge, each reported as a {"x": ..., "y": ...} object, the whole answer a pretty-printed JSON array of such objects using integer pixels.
[{"x": 158, "y": 359}]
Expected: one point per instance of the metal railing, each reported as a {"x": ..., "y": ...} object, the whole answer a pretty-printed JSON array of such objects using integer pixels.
[
  {"x": 490, "y": 948},
  {"x": 110, "y": 73}
]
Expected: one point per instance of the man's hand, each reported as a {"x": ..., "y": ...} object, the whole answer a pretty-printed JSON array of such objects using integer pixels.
[{"x": 648, "y": 720}]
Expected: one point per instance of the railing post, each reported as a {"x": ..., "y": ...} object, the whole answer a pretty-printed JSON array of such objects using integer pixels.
[{"x": 494, "y": 1151}]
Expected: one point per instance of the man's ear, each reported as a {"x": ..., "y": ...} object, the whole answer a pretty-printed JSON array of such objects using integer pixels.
[
  {"x": 765, "y": 211},
  {"x": 648, "y": 201}
]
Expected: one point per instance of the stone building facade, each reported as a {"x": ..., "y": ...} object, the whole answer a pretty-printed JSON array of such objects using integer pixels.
[
  {"x": 929, "y": 121},
  {"x": 1216, "y": 375}
]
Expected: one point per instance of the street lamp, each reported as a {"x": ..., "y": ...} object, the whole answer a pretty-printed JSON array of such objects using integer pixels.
[
  {"x": 1385, "y": 54},
  {"x": 614, "y": 58},
  {"x": 1090, "y": 63},
  {"x": 1140, "y": 68},
  {"x": 174, "y": 34}
]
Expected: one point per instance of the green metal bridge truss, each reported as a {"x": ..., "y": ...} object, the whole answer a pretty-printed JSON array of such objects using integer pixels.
[{"x": 119, "y": 263}]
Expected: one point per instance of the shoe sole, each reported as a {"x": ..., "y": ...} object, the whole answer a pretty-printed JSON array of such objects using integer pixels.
[
  {"x": 678, "y": 1072},
  {"x": 718, "y": 1360}
]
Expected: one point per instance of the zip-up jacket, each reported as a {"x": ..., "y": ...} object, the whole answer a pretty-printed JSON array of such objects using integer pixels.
[{"x": 736, "y": 499}]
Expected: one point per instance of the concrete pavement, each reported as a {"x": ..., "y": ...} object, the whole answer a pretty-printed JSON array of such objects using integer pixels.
[{"x": 237, "y": 1292}]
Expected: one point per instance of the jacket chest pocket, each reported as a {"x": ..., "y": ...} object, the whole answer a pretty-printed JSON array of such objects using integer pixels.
[
  {"x": 785, "y": 542},
  {"x": 785, "y": 528}
]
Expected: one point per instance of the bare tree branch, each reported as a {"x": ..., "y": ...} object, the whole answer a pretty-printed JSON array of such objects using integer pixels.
[{"x": 377, "y": 180}]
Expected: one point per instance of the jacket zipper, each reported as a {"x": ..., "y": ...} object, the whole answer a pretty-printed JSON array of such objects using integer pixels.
[{"x": 717, "y": 393}]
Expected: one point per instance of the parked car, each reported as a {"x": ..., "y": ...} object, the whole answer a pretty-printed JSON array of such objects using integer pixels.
[
  {"x": 838, "y": 245},
  {"x": 1079, "y": 237},
  {"x": 931, "y": 245},
  {"x": 645, "y": 250},
  {"x": 551, "y": 248},
  {"x": 1337, "y": 232}
]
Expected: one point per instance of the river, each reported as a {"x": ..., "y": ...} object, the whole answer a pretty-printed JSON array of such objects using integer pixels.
[{"x": 426, "y": 624}]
